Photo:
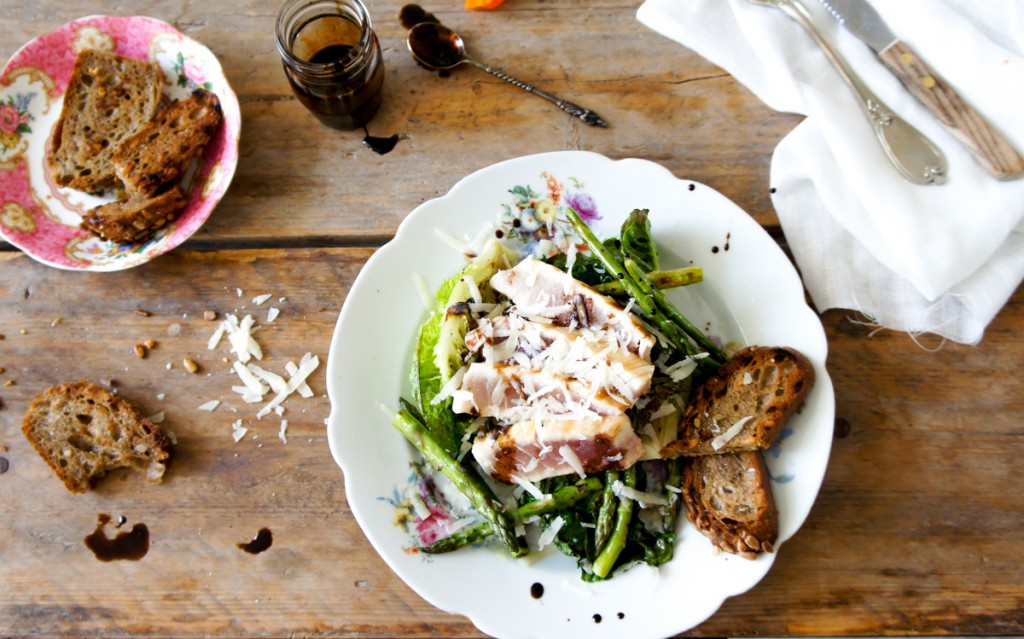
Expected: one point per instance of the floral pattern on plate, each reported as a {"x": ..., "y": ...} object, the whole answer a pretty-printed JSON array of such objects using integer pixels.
[{"x": 41, "y": 218}]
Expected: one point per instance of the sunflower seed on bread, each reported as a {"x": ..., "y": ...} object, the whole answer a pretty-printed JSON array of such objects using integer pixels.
[
  {"x": 745, "y": 404},
  {"x": 729, "y": 499},
  {"x": 83, "y": 431},
  {"x": 135, "y": 217},
  {"x": 160, "y": 153},
  {"x": 109, "y": 98}
]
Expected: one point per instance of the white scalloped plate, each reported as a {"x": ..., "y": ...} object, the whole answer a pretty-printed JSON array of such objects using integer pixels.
[{"x": 751, "y": 294}]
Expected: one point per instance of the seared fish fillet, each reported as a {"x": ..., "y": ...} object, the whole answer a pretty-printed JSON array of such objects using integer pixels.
[
  {"x": 535, "y": 450},
  {"x": 540, "y": 289},
  {"x": 586, "y": 355}
]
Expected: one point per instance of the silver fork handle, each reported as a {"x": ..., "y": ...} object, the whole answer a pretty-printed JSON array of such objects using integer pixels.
[{"x": 913, "y": 154}]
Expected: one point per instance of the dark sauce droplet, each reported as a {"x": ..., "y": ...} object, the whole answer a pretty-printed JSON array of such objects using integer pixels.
[
  {"x": 381, "y": 146},
  {"x": 771, "y": 190},
  {"x": 132, "y": 545},
  {"x": 259, "y": 543},
  {"x": 714, "y": 249},
  {"x": 121, "y": 521},
  {"x": 621, "y": 615},
  {"x": 728, "y": 236},
  {"x": 692, "y": 187},
  {"x": 4, "y": 465},
  {"x": 537, "y": 590},
  {"x": 597, "y": 618},
  {"x": 413, "y": 14}
]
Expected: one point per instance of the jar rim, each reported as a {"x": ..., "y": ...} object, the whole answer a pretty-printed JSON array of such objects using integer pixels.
[{"x": 331, "y": 8}]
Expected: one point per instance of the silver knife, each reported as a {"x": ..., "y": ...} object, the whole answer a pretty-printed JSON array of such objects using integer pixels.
[{"x": 989, "y": 147}]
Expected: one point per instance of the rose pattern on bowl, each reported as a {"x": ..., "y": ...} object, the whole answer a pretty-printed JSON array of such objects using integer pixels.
[{"x": 41, "y": 218}]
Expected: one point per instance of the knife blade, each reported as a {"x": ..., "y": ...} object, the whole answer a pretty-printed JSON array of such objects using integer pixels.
[{"x": 988, "y": 146}]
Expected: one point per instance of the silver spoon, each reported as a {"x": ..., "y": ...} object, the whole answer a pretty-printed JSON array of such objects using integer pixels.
[
  {"x": 437, "y": 47},
  {"x": 913, "y": 155}
]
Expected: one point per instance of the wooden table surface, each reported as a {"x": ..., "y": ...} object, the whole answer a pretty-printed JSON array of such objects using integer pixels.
[{"x": 917, "y": 528}]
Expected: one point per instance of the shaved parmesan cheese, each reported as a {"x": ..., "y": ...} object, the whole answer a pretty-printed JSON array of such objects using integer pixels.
[
  {"x": 644, "y": 499},
  {"x": 210, "y": 405},
  {"x": 308, "y": 366},
  {"x": 731, "y": 432},
  {"x": 157, "y": 419},
  {"x": 275, "y": 381},
  {"x": 259, "y": 299},
  {"x": 550, "y": 533},
  {"x": 251, "y": 382},
  {"x": 238, "y": 431},
  {"x": 284, "y": 429},
  {"x": 571, "y": 458},
  {"x": 272, "y": 314},
  {"x": 528, "y": 486},
  {"x": 474, "y": 290},
  {"x": 456, "y": 244},
  {"x": 424, "y": 290},
  {"x": 747, "y": 379},
  {"x": 450, "y": 386},
  {"x": 303, "y": 390}
]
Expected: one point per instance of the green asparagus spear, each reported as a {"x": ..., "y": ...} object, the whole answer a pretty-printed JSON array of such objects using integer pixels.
[
  {"x": 637, "y": 242},
  {"x": 666, "y": 307},
  {"x": 606, "y": 514},
  {"x": 660, "y": 279},
  {"x": 643, "y": 299},
  {"x": 558, "y": 500},
  {"x": 470, "y": 485},
  {"x": 605, "y": 560}
]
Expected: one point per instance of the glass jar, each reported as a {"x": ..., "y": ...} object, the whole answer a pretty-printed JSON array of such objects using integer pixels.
[{"x": 332, "y": 59}]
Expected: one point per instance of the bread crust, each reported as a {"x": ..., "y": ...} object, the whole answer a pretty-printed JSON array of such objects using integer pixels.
[
  {"x": 760, "y": 386},
  {"x": 161, "y": 151},
  {"x": 108, "y": 98},
  {"x": 84, "y": 431},
  {"x": 134, "y": 218},
  {"x": 729, "y": 499}
]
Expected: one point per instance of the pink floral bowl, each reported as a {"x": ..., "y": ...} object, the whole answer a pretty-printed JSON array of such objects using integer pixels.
[{"x": 41, "y": 218}]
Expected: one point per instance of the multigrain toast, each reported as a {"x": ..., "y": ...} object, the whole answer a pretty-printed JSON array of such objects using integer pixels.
[
  {"x": 728, "y": 498},
  {"x": 108, "y": 99},
  {"x": 83, "y": 431},
  {"x": 161, "y": 151},
  {"x": 745, "y": 404},
  {"x": 135, "y": 217}
]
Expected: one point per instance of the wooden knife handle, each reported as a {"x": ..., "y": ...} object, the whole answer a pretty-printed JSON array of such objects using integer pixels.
[{"x": 987, "y": 145}]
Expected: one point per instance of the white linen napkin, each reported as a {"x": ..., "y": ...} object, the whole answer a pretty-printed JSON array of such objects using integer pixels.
[{"x": 937, "y": 259}]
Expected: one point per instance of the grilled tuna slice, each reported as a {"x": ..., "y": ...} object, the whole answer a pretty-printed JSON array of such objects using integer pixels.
[
  {"x": 535, "y": 450},
  {"x": 583, "y": 354},
  {"x": 541, "y": 289},
  {"x": 510, "y": 392}
]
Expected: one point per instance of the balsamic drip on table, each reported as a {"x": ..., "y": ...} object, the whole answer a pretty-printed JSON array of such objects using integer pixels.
[
  {"x": 381, "y": 146},
  {"x": 4, "y": 465},
  {"x": 132, "y": 545},
  {"x": 259, "y": 543},
  {"x": 537, "y": 590},
  {"x": 413, "y": 14}
]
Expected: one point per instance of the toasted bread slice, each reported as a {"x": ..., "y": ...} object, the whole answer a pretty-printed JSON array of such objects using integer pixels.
[
  {"x": 108, "y": 99},
  {"x": 161, "y": 152},
  {"x": 134, "y": 218},
  {"x": 83, "y": 431},
  {"x": 729, "y": 499},
  {"x": 745, "y": 405}
]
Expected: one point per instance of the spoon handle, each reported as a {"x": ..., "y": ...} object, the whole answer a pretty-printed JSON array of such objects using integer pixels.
[
  {"x": 576, "y": 110},
  {"x": 914, "y": 155}
]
